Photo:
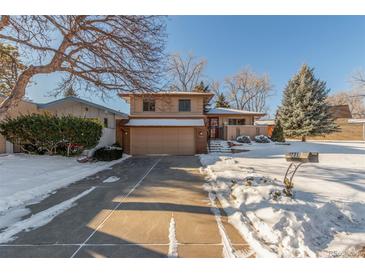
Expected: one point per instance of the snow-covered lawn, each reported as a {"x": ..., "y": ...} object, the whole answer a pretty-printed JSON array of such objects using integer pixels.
[
  {"x": 28, "y": 179},
  {"x": 326, "y": 218}
]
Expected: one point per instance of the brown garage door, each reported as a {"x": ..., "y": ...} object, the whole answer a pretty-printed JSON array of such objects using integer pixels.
[{"x": 162, "y": 140}]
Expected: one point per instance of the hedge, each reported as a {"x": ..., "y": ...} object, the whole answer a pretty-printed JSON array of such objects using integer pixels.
[{"x": 46, "y": 132}]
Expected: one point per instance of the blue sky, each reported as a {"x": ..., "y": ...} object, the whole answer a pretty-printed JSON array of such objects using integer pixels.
[{"x": 276, "y": 45}]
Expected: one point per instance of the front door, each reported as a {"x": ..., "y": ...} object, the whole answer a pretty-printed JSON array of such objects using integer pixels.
[{"x": 213, "y": 127}]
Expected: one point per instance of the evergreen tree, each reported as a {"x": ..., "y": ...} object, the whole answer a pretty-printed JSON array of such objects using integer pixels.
[
  {"x": 304, "y": 111},
  {"x": 201, "y": 88},
  {"x": 222, "y": 101},
  {"x": 278, "y": 132},
  {"x": 10, "y": 68},
  {"x": 70, "y": 93}
]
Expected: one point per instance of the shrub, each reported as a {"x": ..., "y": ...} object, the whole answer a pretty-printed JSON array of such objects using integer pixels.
[
  {"x": 262, "y": 139},
  {"x": 243, "y": 139},
  {"x": 278, "y": 132},
  {"x": 288, "y": 188},
  {"x": 49, "y": 133},
  {"x": 108, "y": 153}
]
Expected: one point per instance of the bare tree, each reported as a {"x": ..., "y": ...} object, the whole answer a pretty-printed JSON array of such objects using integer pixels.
[
  {"x": 249, "y": 91},
  {"x": 353, "y": 99},
  {"x": 103, "y": 53},
  {"x": 185, "y": 73},
  {"x": 358, "y": 80}
]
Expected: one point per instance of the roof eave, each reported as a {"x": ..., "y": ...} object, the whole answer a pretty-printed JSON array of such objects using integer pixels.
[{"x": 75, "y": 99}]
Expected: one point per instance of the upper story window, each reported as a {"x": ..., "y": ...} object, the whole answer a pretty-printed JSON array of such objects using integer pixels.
[
  {"x": 184, "y": 105},
  {"x": 236, "y": 122},
  {"x": 149, "y": 104}
]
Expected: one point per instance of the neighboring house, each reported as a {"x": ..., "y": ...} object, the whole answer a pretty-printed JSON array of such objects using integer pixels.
[
  {"x": 269, "y": 123},
  {"x": 359, "y": 123},
  {"x": 177, "y": 123},
  {"x": 69, "y": 106},
  {"x": 348, "y": 129}
]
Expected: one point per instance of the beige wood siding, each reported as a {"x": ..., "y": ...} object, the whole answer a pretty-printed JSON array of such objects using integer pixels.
[
  {"x": 223, "y": 119},
  {"x": 166, "y": 106},
  {"x": 162, "y": 140}
]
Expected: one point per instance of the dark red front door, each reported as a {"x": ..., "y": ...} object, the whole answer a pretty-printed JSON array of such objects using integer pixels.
[{"x": 214, "y": 128}]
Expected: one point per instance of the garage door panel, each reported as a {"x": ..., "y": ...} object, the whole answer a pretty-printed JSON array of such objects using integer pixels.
[{"x": 163, "y": 140}]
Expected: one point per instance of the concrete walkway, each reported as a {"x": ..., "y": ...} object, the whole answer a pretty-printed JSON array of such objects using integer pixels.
[{"x": 158, "y": 208}]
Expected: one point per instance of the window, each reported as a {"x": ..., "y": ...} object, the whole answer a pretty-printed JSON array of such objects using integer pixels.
[
  {"x": 105, "y": 122},
  {"x": 236, "y": 122},
  {"x": 148, "y": 105},
  {"x": 184, "y": 105}
]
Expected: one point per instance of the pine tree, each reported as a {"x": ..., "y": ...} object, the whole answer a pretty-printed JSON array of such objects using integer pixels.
[
  {"x": 70, "y": 93},
  {"x": 278, "y": 132},
  {"x": 201, "y": 87},
  {"x": 304, "y": 111},
  {"x": 222, "y": 101}
]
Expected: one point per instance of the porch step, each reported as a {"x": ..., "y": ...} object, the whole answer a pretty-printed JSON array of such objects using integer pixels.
[{"x": 218, "y": 146}]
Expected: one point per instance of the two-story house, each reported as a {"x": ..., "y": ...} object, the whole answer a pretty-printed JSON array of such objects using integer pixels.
[{"x": 177, "y": 123}]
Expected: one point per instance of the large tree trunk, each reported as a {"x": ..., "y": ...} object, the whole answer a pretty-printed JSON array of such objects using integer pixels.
[{"x": 18, "y": 91}]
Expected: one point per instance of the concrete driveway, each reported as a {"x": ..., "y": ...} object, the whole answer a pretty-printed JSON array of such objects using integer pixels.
[{"x": 158, "y": 208}]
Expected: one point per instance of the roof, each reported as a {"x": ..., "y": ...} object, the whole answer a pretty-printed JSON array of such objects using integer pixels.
[
  {"x": 340, "y": 111},
  {"x": 82, "y": 101},
  {"x": 356, "y": 121},
  {"x": 167, "y": 122},
  {"x": 265, "y": 122},
  {"x": 232, "y": 111}
]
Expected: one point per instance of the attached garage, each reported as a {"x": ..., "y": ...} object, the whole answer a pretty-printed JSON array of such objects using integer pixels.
[
  {"x": 165, "y": 136},
  {"x": 162, "y": 140}
]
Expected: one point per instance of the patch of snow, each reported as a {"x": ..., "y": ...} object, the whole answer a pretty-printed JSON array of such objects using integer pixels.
[
  {"x": 12, "y": 216},
  {"x": 166, "y": 122},
  {"x": 29, "y": 179},
  {"x": 231, "y": 111},
  {"x": 111, "y": 179},
  {"x": 228, "y": 251},
  {"x": 41, "y": 218},
  {"x": 327, "y": 215},
  {"x": 172, "y": 253}
]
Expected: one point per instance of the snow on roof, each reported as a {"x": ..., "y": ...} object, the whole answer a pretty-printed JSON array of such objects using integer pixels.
[
  {"x": 356, "y": 121},
  {"x": 265, "y": 122},
  {"x": 82, "y": 101},
  {"x": 166, "y": 122},
  {"x": 232, "y": 111}
]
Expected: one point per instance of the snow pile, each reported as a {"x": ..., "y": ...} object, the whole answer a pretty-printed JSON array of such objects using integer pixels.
[
  {"x": 326, "y": 218},
  {"x": 28, "y": 179},
  {"x": 40, "y": 218},
  {"x": 111, "y": 179},
  {"x": 173, "y": 244}
]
